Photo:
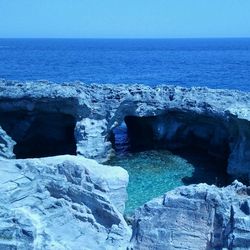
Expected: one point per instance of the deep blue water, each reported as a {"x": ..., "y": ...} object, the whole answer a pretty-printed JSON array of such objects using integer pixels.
[{"x": 217, "y": 63}]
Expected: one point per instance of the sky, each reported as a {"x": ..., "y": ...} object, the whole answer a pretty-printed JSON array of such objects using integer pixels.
[{"x": 124, "y": 18}]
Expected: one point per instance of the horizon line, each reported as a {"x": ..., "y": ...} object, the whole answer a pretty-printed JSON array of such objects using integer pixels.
[{"x": 129, "y": 38}]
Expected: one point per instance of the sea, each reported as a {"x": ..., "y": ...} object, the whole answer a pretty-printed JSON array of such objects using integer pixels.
[{"x": 214, "y": 63}]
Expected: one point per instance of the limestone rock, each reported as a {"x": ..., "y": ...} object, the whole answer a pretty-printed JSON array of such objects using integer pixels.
[
  {"x": 69, "y": 202},
  {"x": 217, "y": 119},
  {"x": 6, "y": 145},
  {"x": 63, "y": 202},
  {"x": 91, "y": 139},
  {"x": 195, "y": 217}
]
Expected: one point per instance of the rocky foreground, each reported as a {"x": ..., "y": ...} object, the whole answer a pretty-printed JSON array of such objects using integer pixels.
[
  {"x": 71, "y": 202},
  {"x": 62, "y": 202},
  {"x": 195, "y": 217}
]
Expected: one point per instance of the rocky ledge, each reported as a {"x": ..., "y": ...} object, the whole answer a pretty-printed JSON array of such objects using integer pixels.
[
  {"x": 67, "y": 201},
  {"x": 80, "y": 119}
]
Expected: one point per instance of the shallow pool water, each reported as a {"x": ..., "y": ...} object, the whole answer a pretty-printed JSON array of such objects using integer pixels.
[{"x": 153, "y": 173}]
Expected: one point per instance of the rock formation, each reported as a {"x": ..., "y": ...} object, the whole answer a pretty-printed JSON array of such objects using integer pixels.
[
  {"x": 195, "y": 217},
  {"x": 6, "y": 145},
  {"x": 65, "y": 201},
  {"x": 62, "y": 202},
  {"x": 69, "y": 202},
  {"x": 80, "y": 118}
]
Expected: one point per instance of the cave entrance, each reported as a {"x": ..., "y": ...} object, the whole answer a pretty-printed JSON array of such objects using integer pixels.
[
  {"x": 175, "y": 131},
  {"x": 40, "y": 134},
  {"x": 165, "y": 151}
]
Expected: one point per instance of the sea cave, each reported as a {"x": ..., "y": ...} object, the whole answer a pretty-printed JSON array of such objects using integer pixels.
[
  {"x": 169, "y": 150},
  {"x": 39, "y": 134}
]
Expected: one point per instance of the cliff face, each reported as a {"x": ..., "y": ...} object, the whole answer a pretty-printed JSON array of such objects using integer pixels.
[{"x": 79, "y": 119}]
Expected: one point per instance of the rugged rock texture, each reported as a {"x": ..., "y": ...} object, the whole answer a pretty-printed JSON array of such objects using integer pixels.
[
  {"x": 195, "y": 217},
  {"x": 69, "y": 202},
  {"x": 64, "y": 202},
  {"x": 217, "y": 120},
  {"x": 6, "y": 145}
]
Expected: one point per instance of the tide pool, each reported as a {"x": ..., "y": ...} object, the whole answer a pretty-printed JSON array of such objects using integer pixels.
[{"x": 153, "y": 173}]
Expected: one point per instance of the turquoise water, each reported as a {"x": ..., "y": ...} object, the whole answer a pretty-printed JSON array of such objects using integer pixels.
[{"x": 153, "y": 173}]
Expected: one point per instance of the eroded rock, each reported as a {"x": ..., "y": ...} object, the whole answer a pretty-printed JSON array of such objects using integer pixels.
[
  {"x": 63, "y": 202},
  {"x": 69, "y": 202},
  {"x": 6, "y": 145},
  {"x": 195, "y": 217},
  {"x": 219, "y": 120}
]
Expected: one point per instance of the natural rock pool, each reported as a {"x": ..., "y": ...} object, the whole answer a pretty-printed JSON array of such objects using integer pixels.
[{"x": 154, "y": 172}]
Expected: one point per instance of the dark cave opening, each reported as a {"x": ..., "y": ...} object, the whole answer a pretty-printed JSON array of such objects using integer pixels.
[
  {"x": 201, "y": 140},
  {"x": 166, "y": 151},
  {"x": 179, "y": 131},
  {"x": 40, "y": 134},
  {"x": 185, "y": 134}
]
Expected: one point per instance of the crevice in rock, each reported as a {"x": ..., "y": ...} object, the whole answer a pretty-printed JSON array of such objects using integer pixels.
[{"x": 40, "y": 134}]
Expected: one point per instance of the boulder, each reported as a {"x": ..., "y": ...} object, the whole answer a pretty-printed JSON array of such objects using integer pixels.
[
  {"x": 64, "y": 202},
  {"x": 195, "y": 217}
]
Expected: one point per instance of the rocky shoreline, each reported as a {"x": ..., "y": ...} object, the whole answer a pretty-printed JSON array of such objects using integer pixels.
[{"x": 63, "y": 201}]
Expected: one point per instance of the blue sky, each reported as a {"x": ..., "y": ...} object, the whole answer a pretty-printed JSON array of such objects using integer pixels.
[{"x": 124, "y": 18}]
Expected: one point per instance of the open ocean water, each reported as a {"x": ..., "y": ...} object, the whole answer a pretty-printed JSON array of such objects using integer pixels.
[{"x": 216, "y": 63}]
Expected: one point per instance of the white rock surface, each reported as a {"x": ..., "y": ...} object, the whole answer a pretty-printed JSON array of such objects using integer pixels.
[
  {"x": 63, "y": 202},
  {"x": 69, "y": 202},
  {"x": 197, "y": 217}
]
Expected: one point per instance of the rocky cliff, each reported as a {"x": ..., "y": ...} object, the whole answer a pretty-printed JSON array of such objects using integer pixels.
[
  {"x": 53, "y": 197},
  {"x": 69, "y": 202},
  {"x": 80, "y": 118}
]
